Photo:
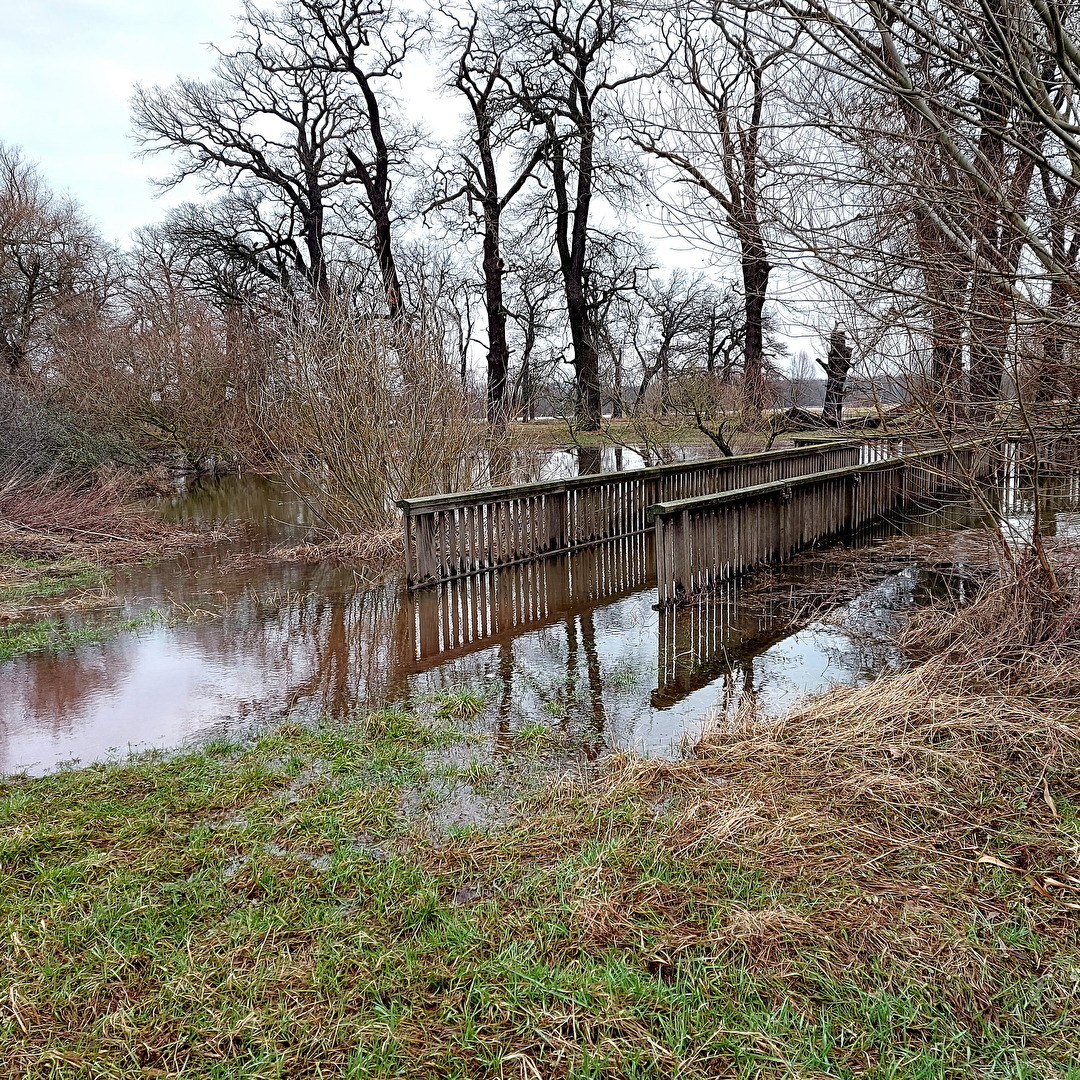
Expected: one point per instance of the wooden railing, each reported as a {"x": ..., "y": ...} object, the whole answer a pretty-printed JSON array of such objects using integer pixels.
[
  {"x": 469, "y": 532},
  {"x": 705, "y": 540}
]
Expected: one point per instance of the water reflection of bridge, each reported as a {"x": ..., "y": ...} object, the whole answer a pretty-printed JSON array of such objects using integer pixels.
[{"x": 459, "y": 617}]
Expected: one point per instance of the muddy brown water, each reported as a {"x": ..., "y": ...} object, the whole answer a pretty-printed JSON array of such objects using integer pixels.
[{"x": 574, "y": 642}]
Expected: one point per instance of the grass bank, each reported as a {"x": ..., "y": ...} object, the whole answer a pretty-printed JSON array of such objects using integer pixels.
[
  {"x": 51, "y": 635},
  {"x": 59, "y": 546},
  {"x": 882, "y": 885},
  {"x": 25, "y": 580}
]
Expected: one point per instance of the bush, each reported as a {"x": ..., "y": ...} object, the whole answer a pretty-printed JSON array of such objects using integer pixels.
[
  {"x": 366, "y": 412},
  {"x": 39, "y": 436}
]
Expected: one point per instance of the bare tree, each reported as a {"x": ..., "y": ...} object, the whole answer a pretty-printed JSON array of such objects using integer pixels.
[
  {"x": 532, "y": 306},
  {"x": 664, "y": 329},
  {"x": 293, "y": 131},
  {"x": 267, "y": 132},
  {"x": 53, "y": 266},
  {"x": 963, "y": 105},
  {"x": 484, "y": 178},
  {"x": 565, "y": 66},
  {"x": 709, "y": 122},
  {"x": 366, "y": 43}
]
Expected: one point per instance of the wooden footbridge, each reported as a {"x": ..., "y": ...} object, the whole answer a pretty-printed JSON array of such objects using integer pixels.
[
  {"x": 469, "y": 532},
  {"x": 703, "y": 541},
  {"x": 712, "y": 519}
]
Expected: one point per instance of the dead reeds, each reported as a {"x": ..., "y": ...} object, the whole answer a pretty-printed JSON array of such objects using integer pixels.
[
  {"x": 962, "y": 757},
  {"x": 1030, "y": 607},
  {"x": 47, "y": 517}
]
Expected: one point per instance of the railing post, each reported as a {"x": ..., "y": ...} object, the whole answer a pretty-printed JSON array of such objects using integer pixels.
[
  {"x": 410, "y": 559},
  {"x": 682, "y": 584}
]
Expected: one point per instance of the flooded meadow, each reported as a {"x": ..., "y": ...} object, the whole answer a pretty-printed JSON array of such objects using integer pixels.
[{"x": 234, "y": 637}]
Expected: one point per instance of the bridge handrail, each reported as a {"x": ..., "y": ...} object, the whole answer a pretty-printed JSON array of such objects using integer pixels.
[
  {"x": 450, "y": 500},
  {"x": 666, "y": 509}
]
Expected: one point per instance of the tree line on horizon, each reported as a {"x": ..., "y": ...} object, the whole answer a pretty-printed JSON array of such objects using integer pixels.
[{"x": 899, "y": 178}]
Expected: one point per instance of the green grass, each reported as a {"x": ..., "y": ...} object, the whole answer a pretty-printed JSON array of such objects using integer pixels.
[
  {"x": 460, "y": 703},
  {"x": 48, "y": 635},
  {"x": 277, "y": 910},
  {"x": 34, "y": 579},
  {"x": 535, "y": 734}
]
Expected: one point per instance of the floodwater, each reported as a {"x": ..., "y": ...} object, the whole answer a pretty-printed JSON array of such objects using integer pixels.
[{"x": 574, "y": 642}]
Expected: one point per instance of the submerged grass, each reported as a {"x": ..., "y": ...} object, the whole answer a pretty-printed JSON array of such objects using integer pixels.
[
  {"x": 885, "y": 884},
  {"x": 28, "y": 584},
  {"x": 23, "y": 637},
  {"x": 460, "y": 703},
  {"x": 23, "y": 580}
]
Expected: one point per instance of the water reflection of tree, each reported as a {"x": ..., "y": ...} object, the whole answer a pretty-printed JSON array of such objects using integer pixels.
[
  {"x": 341, "y": 652},
  {"x": 51, "y": 691}
]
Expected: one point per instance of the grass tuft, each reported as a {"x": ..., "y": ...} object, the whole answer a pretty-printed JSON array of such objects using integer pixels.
[{"x": 462, "y": 703}]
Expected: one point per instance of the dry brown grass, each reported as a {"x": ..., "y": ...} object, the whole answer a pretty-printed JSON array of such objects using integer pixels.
[
  {"x": 907, "y": 812},
  {"x": 49, "y": 518},
  {"x": 379, "y": 546},
  {"x": 931, "y": 757},
  {"x": 375, "y": 552},
  {"x": 1028, "y": 607},
  {"x": 961, "y": 760}
]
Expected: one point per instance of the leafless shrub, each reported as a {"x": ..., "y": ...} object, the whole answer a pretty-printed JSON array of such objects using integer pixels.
[
  {"x": 366, "y": 411},
  {"x": 31, "y": 437},
  {"x": 173, "y": 380}
]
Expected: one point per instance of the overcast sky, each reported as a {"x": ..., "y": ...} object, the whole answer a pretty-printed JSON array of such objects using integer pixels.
[{"x": 67, "y": 68}]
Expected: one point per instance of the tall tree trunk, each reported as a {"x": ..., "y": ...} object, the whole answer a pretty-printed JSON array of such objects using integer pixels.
[
  {"x": 384, "y": 254},
  {"x": 314, "y": 241},
  {"x": 376, "y": 183},
  {"x": 498, "y": 357},
  {"x": 574, "y": 254},
  {"x": 1051, "y": 365},
  {"x": 587, "y": 396},
  {"x": 755, "y": 274},
  {"x": 998, "y": 242}
]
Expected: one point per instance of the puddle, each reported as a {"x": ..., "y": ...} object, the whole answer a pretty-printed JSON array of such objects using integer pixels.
[{"x": 570, "y": 651}]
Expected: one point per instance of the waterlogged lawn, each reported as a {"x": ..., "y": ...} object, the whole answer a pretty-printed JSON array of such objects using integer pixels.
[
  {"x": 25, "y": 583},
  {"x": 48, "y": 635},
  {"x": 291, "y": 908}
]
